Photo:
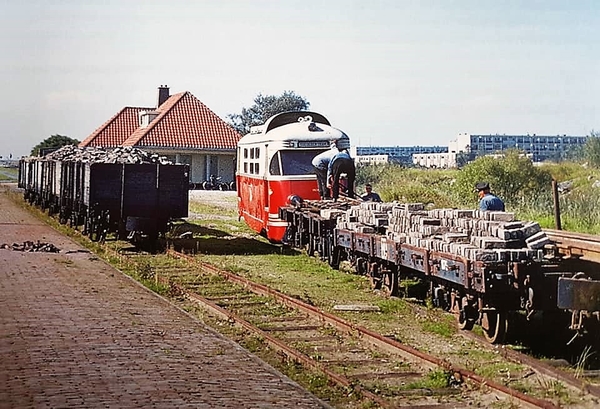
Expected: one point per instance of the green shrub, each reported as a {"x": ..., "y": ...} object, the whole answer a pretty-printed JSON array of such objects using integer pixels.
[
  {"x": 525, "y": 188},
  {"x": 512, "y": 177}
]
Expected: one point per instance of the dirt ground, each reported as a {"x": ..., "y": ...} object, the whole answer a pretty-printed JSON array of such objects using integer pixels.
[{"x": 227, "y": 199}]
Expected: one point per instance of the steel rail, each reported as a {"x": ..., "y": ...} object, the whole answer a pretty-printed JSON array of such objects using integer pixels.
[
  {"x": 374, "y": 338},
  {"x": 284, "y": 348},
  {"x": 586, "y": 246}
]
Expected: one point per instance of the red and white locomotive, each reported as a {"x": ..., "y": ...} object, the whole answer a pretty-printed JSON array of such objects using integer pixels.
[{"x": 274, "y": 163}]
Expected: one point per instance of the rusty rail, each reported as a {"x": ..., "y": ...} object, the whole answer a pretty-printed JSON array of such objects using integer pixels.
[
  {"x": 379, "y": 340},
  {"x": 585, "y": 246}
]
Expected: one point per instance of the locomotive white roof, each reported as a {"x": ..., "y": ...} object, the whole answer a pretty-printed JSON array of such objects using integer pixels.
[{"x": 302, "y": 125}]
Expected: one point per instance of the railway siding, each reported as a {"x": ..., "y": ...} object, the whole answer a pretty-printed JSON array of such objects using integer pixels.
[
  {"x": 366, "y": 366},
  {"x": 580, "y": 402}
]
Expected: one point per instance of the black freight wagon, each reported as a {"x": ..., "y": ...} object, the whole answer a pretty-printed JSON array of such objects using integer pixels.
[{"x": 123, "y": 198}]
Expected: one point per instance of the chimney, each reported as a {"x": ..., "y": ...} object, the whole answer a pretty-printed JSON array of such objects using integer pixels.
[{"x": 163, "y": 94}]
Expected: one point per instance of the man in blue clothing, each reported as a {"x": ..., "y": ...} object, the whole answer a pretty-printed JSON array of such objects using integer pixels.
[
  {"x": 370, "y": 196},
  {"x": 320, "y": 165},
  {"x": 488, "y": 201},
  {"x": 341, "y": 163}
]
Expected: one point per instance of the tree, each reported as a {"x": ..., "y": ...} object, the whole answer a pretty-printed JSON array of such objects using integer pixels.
[
  {"x": 591, "y": 149},
  {"x": 53, "y": 142},
  {"x": 265, "y": 106}
]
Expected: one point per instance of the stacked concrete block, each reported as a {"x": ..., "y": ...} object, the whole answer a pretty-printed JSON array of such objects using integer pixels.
[
  {"x": 365, "y": 229},
  {"x": 531, "y": 228},
  {"x": 330, "y": 213},
  {"x": 456, "y": 237},
  {"x": 537, "y": 241},
  {"x": 473, "y": 234},
  {"x": 486, "y": 242}
]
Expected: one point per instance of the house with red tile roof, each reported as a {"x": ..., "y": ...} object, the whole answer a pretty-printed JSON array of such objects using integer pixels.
[{"x": 181, "y": 127}]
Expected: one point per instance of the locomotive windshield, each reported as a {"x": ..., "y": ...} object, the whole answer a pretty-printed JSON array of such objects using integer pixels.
[{"x": 293, "y": 162}]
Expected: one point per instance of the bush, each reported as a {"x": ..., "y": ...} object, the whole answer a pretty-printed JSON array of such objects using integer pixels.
[
  {"x": 394, "y": 182},
  {"x": 512, "y": 177},
  {"x": 525, "y": 188}
]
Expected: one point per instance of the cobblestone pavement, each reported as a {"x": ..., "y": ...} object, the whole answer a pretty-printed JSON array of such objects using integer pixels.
[{"x": 74, "y": 332}]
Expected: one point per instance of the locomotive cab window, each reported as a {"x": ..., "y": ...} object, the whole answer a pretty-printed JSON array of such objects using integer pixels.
[
  {"x": 293, "y": 162},
  {"x": 274, "y": 166}
]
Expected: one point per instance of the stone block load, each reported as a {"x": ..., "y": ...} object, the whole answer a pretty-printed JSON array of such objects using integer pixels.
[
  {"x": 123, "y": 154},
  {"x": 485, "y": 236}
]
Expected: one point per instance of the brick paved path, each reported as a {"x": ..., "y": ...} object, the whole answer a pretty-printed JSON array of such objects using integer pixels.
[{"x": 76, "y": 333}]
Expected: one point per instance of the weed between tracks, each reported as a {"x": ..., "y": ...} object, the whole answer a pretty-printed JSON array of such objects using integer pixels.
[{"x": 228, "y": 244}]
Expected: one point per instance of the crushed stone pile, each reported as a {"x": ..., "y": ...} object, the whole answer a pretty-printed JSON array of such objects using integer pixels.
[
  {"x": 31, "y": 246},
  {"x": 124, "y": 154}
]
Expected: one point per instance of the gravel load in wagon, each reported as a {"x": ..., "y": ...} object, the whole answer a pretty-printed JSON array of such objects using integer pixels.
[{"x": 125, "y": 190}]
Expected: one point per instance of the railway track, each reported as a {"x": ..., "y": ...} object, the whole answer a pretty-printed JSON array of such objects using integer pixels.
[
  {"x": 385, "y": 384},
  {"x": 577, "y": 245},
  {"x": 378, "y": 368}
]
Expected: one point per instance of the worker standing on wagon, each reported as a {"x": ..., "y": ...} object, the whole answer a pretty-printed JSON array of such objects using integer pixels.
[
  {"x": 488, "y": 201},
  {"x": 321, "y": 164},
  {"x": 341, "y": 163}
]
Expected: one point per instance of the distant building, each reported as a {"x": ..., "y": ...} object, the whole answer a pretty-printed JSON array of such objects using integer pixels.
[
  {"x": 541, "y": 147},
  {"x": 398, "y": 154},
  {"x": 536, "y": 147},
  {"x": 371, "y": 159},
  {"x": 435, "y": 160},
  {"x": 181, "y": 128}
]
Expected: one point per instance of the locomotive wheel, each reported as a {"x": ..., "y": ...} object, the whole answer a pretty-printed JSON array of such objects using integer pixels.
[
  {"x": 389, "y": 284},
  {"x": 494, "y": 325}
]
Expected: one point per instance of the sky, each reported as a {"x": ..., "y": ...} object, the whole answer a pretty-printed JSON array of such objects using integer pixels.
[{"x": 388, "y": 73}]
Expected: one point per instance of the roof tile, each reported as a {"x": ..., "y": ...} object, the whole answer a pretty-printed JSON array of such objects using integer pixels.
[
  {"x": 183, "y": 122},
  {"x": 116, "y": 130}
]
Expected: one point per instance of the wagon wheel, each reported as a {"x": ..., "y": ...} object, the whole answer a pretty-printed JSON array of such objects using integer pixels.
[
  {"x": 334, "y": 257},
  {"x": 464, "y": 319},
  {"x": 389, "y": 283},
  {"x": 374, "y": 274},
  {"x": 95, "y": 232},
  {"x": 100, "y": 228},
  {"x": 375, "y": 281},
  {"x": 320, "y": 249},
  {"x": 310, "y": 246},
  {"x": 495, "y": 326},
  {"x": 63, "y": 216}
]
